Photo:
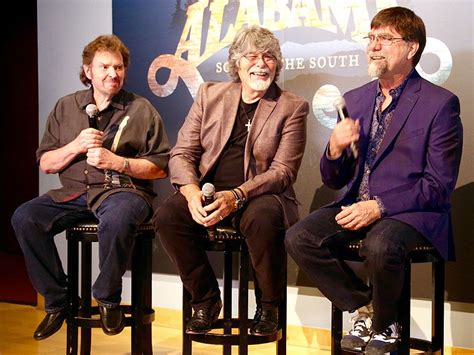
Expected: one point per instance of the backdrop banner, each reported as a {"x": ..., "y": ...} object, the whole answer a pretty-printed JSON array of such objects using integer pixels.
[{"x": 177, "y": 45}]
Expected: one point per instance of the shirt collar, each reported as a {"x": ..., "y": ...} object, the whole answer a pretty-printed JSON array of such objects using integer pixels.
[
  {"x": 118, "y": 101},
  {"x": 395, "y": 93}
]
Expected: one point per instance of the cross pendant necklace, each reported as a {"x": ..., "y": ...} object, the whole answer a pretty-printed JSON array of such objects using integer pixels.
[
  {"x": 248, "y": 125},
  {"x": 249, "y": 121}
]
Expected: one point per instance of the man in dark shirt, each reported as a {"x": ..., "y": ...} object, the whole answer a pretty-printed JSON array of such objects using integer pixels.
[
  {"x": 398, "y": 186},
  {"x": 106, "y": 167},
  {"x": 247, "y": 137}
]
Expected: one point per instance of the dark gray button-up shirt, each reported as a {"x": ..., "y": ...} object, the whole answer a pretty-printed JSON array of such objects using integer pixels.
[{"x": 143, "y": 136}]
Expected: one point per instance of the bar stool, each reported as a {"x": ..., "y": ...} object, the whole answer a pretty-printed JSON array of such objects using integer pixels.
[
  {"x": 229, "y": 241},
  {"x": 423, "y": 254},
  {"x": 139, "y": 315}
]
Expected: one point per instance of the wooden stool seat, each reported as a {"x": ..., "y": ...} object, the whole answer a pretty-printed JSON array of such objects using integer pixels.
[
  {"x": 139, "y": 315},
  {"x": 228, "y": 240},
  {"x": 422, "y": 254}
]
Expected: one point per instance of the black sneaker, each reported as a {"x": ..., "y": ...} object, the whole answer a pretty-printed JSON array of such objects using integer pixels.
[
  {"x": 384, "y": 342},
  {"x": 359, "y": 335}
]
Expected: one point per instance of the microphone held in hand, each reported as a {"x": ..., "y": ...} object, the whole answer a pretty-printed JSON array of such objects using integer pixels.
[
  {"x": 92, "y": 111},
  {"x": 340, "y": 106},
  {"x": 208, "y": 192}
]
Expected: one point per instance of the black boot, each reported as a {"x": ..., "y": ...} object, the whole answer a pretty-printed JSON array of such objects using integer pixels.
[
  {"x": 202, "y": 319},
  {"x": 267, "y": 324}
]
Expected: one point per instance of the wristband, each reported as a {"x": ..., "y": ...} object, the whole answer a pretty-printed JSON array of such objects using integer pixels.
[
  {"x": 239, "y": 198},
  {"x": 126, "y": 165}
]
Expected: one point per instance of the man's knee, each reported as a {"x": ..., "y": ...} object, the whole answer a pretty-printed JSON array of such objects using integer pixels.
[
  {"x": 160, "y": 217},
  {"x": 22, "y": 216},
  {"x": 293, "y": 238},
  {"x": 262, "y": 215},
  {"x": 383, "y": 248}
]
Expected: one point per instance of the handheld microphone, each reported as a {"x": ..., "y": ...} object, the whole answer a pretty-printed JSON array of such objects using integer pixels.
[
  {"x": 208, "y": 191},
  {"x": 340, "y": 106},
  {"x": 92, "y": 111}
]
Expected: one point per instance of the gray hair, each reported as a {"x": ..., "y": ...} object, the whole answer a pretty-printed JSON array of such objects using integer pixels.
[{"x": 257, "y": 37}]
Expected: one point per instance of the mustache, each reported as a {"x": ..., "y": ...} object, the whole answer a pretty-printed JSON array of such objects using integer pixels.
[{"x": 260, "y": 71}]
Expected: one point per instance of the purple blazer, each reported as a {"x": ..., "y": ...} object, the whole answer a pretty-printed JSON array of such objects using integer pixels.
[{"x": 416, "y": 168}]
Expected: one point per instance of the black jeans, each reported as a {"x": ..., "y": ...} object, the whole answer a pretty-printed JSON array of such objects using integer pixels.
[
  {"x": 262, "y": 225},
  {"x": 313, "y": 244}
]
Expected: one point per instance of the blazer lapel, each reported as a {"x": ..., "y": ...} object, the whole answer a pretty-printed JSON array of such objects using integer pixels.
[
  {"x": 404, "y": 107},
  {"x": 367, "y": 107},
  {"x": 230, "y": 105},
  {"x": 262, "y": 114},
  {"x": 364, "y": 109}
]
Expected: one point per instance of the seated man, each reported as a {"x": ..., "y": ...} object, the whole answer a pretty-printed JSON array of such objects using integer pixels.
[
  {"x": 246, "y": 137},
  {"x": 106, "y": 172},
  {"x": 398, "y": 191}
]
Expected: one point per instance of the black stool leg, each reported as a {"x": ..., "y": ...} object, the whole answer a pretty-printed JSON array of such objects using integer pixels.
[
  {"x": 187, "y": 313},
  {"x": 437, "y": 307},
  {"x": 336, "y": 330},
  {"x": 281, "y": 343},
  {"x": 147, "y": 290},
  {"x": 141, "y": 296},
  {"x": 86, "y": 303},
  {"x": 228, "y": 260},
  {"x": 137, "y": 300},
  {"x": 404, "y": 313},
  {"x": 243, "y": 299},
  {"x": 73, "y": 276}
]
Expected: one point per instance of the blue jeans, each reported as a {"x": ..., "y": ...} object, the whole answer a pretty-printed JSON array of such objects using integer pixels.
[
  {"x": 313, "y": 243},
  {"x": 36, "y": 222}
]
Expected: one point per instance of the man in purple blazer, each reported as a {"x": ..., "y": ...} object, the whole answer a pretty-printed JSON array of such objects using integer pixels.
[
  {"x": 247, "y": 137},
  {"x": 409, "y": 137}
]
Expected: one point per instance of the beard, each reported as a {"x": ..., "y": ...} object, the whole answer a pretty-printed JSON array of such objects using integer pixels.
[
  {"x": 377, "y": 68},
  {"x": 260, "y": 85}
]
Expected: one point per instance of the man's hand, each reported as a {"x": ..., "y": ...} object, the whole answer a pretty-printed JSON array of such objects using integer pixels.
[
  {"x": 358, "y": 215},
  {"x": 87, "y": 139},
  {"x": 345, "y": 132},
  {"x": 193, "y": 195},
  {"x": 103, "y": 158},
  {"x": 223, "y": 205}
]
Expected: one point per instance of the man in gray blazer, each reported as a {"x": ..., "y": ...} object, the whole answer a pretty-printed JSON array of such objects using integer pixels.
[
  {"x": 398, "y": 190},
  {"x": 247, "y": 137}
]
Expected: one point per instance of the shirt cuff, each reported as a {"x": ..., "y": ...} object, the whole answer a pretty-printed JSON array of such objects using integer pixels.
[{"x": 383, "y": 211}]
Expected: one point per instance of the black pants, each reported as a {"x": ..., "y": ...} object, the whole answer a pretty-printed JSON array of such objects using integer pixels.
[
  {"x": 313, "y": 243},
  {"x": 261, "y": 223}
]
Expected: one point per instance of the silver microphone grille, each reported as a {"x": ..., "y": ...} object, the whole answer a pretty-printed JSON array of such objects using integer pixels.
[
  {"x": 208, "y": 190},
  {"x": 339, "y": 102},
  {"x": 91, "y": 110}
]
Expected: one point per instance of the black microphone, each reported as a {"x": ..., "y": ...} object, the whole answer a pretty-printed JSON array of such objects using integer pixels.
[
  {"x": 92, "y": 111},
  {"x": 208, "y": 191},
  {"x": 340, "y": 106}
]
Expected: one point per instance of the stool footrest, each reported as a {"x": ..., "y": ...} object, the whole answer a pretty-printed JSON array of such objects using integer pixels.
[
  {"x": 421, "y": 344},
  {"x": 233, "y": 339},
  {"x": 94, "y": 322}
]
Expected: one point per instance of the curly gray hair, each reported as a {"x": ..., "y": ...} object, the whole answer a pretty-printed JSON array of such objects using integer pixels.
[{"x": 249, "y": 38}]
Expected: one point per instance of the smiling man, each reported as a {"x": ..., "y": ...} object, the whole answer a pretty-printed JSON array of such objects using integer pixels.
[
  {"x": 247, "y": 137},
  {"x": 106, "y": 164},
  {"x": 398, "y": 191}
]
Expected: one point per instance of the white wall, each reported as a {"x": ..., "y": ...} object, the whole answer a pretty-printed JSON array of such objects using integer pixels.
[{"x": 64, "y": 28}]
